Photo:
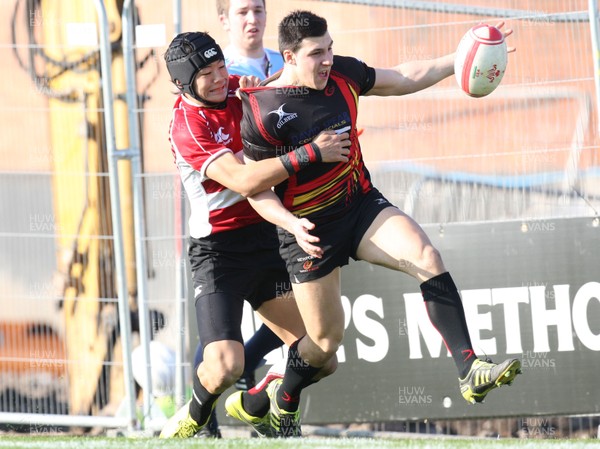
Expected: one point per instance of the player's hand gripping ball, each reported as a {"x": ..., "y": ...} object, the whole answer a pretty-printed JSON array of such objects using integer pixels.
[{"x": 480, "y": 60}]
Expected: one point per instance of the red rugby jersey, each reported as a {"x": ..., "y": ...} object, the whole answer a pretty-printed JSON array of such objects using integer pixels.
[{"x": 198, "y": 136}]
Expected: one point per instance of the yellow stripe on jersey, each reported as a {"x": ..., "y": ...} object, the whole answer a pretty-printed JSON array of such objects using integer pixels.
[
  {"x": 320, "y": 206},
  {"x": 354, "y": 94},
  {"x": 300, "y": 199},
  {"x": 311, "y": 195}
]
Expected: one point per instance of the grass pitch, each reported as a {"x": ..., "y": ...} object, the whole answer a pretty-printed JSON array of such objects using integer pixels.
[{"x": 37, "y": 442}]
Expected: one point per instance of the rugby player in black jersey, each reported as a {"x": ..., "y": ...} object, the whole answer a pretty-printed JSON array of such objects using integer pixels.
[{"x": 318, "y": 91}]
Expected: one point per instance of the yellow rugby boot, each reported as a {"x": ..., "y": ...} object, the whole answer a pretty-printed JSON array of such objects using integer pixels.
[
  {"x": 484, "y": 376},
  {"x": 182, "y": 425},
  {"x": 235, "y": 409},
  {"x": 285, "y": 424}
]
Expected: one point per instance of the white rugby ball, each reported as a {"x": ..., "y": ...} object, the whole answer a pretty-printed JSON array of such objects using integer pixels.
[{"x": 480, "y": 60}]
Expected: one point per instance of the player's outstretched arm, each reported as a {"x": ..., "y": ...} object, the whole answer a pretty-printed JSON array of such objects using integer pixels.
[
  {"x": 413, "y": 76},
  {"x": 268, "y": 205}
]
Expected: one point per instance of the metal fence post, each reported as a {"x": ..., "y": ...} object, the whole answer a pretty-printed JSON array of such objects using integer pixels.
[
  {"x": 181, "y": 278},
  {"x": 138, "y": 217}
]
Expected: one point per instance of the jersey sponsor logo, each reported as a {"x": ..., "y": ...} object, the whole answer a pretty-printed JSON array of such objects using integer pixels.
[
  {"x": 221, "y": 137},
  {"x": 210, "y": 52},
  {"x": 329, "y": 90},
  {"x": 284, "y": 117},
  {"x": 308, "y": 266}
]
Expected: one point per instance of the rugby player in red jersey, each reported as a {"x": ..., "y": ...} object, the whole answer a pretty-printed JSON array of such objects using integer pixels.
[
  {"x": 233, "y": 252},
  {"x": 318, "y": 91}
]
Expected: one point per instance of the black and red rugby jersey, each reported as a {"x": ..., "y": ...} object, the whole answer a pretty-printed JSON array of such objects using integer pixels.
[{"x": 278, "y": 119}]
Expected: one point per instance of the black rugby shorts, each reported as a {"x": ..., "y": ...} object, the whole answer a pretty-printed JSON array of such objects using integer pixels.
[
  {"x": 230, "y": 267},
  {"x": 339, "y": 239}
]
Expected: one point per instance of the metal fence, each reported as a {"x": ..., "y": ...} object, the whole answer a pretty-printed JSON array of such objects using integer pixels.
[{"x": 75, "y": 363}]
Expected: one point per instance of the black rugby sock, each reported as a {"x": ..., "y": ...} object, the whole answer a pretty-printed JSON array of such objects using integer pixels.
[
  {"x": 202, "y": 402},
  {"x": 447, "y": 315},
  {"x": 298, "y": 375},
  {"x": 256, "y": 404}
]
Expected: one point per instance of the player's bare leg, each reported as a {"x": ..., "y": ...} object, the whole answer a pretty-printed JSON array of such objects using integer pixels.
[
  {"x": 283, "y": 317},
  {"x": 223, "y": 364},
  {"x": 320, "y": 306},
  {"x": 396, "y": 241},
  {"x": 312, "y": 356},
  {"x": 252, "y": 407}
]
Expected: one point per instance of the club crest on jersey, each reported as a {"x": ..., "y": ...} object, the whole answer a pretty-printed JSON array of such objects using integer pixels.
[
  {"x": 284, "y": 117},
  {"x": 221, "y": 137}
]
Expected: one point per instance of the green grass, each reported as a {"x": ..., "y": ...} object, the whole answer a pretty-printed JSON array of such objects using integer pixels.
[{"x": 38, "y": 442}]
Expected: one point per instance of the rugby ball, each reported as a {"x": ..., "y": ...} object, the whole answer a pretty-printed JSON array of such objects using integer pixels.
[{"x": 480, "y": 60}]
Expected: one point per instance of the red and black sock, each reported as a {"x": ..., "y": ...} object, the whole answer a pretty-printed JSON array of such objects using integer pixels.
[
  {"x": 256, "y": 402},
  {"x": 298, "y": 375},
  {"x": 447, "y": 315}
]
